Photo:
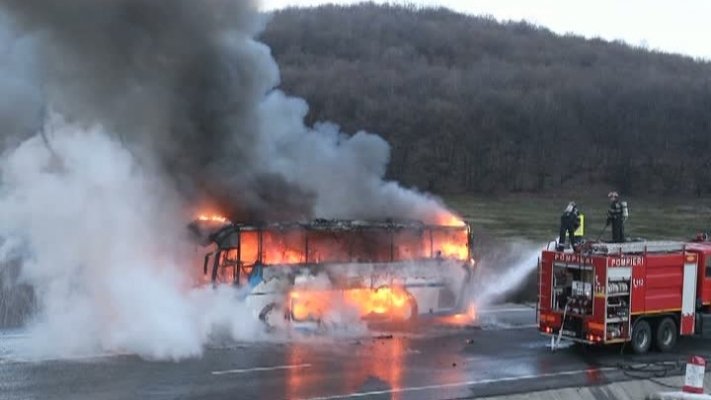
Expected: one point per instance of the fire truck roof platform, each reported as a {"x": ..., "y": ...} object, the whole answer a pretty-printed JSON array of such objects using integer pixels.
[{"x": 652, "y": 246}]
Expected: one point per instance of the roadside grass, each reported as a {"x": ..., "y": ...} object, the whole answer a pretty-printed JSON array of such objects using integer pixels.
[{"x": 537, "y": 217}]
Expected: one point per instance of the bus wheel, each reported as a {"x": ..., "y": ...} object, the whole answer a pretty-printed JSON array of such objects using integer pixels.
[
  {"x": 666, "y": 335},
  {"x": 641, "y": 337},
  {"x": 270, "y": 316}
]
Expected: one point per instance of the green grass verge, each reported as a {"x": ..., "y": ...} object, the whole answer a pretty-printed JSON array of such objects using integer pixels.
[{"x": 537, "y": 217}]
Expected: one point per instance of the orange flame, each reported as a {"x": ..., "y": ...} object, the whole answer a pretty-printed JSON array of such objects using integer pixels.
[
  {"x": 451, "y": 244},
  {"x": 296, "y": 245},
  {"x": 288, "y": 247},
  {"x": 309, "y": 305},
  {"x": 213, "y": 218},
  {"x": 449, "y": 219},
  {"x": 387, "y": 301},
  {"x": 283, "y": 248}
]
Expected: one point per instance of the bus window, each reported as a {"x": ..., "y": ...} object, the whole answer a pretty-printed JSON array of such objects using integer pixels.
[{"x": 249, "y": 247}]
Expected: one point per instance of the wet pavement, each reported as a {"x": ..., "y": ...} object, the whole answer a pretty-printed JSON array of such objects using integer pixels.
[{"x": 438, "y": 360}]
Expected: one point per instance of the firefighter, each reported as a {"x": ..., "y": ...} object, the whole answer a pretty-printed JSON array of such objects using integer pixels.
[
  {"x": 616, "y": 217},
  {"x": 569, "y": 223}
]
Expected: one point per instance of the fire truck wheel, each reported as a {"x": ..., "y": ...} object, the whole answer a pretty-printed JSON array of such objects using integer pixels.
[
  {"x": 666, "y": 335},
  {"x": 641, "y": 337}
]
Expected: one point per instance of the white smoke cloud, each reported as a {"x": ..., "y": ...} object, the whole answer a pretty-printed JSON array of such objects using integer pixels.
[
  {"x": 345, "y": 172},
  {"x": 105, "y": 251},
  {"x": 161, "y": 104},
  {"x": 102, "y": 243}
]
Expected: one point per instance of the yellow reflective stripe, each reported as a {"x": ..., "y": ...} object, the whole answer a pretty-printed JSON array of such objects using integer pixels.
[{"x": 581, "y": 229}]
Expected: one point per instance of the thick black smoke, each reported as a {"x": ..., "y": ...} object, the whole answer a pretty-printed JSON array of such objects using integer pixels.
[
  {"x": 182, "y": 78},
  {"x": 186, "y": 87},
  {"x": 124, "y": 93}
]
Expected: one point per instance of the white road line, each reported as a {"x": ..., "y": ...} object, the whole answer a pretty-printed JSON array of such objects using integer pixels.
[
  {"x": 459, "y": 384},
  {"x": 13, "y": 360},
  {"x": 260, "y": 369},
  {"x": 513, "y": 327},
  {"x": 507, "y": 310}
]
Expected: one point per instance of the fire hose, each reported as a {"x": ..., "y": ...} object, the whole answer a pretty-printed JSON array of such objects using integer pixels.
[
  {"x": 601, "y": 232},
  {"x": 555, "y": 343}
]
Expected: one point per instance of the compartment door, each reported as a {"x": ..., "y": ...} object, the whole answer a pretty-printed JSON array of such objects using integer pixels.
[{"x": 688, "y": 300}]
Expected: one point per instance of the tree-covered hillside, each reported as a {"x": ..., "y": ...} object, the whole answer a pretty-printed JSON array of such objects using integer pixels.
[{"x": 472, "y": 105}]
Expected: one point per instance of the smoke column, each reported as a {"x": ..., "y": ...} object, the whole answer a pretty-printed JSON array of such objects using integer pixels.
[
  {"x": 183, "y": 85},
  {"x": 118, "y": 118},
  {"x": 103, "y": 249}
]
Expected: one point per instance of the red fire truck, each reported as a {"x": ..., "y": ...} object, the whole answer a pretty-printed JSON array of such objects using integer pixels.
[{"x": 645, "y": 293}]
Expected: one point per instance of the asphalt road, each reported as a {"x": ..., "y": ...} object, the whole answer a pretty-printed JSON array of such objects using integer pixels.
[{"x": 437, "y": 360}]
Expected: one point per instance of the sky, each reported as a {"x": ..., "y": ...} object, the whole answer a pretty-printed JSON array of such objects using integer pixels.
[{"x": 673, "y": 26}]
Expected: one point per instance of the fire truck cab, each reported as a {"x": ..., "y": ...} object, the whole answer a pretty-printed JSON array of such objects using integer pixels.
[{"x": 645, "y": 293}]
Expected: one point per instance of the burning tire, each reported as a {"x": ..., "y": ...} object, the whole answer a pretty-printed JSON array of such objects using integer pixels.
[
  {"x": 666, "y": 335},
  {"x": 641, "y": 337}
]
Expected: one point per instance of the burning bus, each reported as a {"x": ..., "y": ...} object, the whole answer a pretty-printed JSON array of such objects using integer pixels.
[{"x": 317, "y": 270}]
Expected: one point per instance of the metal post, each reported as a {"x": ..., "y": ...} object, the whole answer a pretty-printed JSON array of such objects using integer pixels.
[
  {"x": 431, "y": 244},
  {"x": 306, "y": 247},
  {"x": 216, "y": 265},
  {"x": 238, "y": 267},
  {"x": 260, "y": 248}
]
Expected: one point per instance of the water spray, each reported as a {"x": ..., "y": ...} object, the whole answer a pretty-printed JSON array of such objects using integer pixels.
[{"x": 504, "y": 273}]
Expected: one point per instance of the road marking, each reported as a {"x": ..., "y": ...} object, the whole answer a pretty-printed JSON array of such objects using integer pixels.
[
  {"x": 510, "y": 328},
  {"x": 506, "y": 310},
  {"x": 260, "y": 369},
  {"x": 9, "y": 359},
  {"x": 459, "y": 384}
]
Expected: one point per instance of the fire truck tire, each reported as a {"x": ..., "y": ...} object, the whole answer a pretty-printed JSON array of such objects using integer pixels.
[
  {"x": 666, "y": 336},
  {"x": 641, "y": 337}
]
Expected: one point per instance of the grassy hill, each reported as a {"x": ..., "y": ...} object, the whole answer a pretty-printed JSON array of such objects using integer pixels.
[{"x": 471, "y": 105}]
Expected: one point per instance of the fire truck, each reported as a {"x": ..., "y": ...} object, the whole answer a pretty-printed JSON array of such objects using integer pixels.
[
  {"x": 645, "y": 294},
  {"x": 302, "y": 271}
]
